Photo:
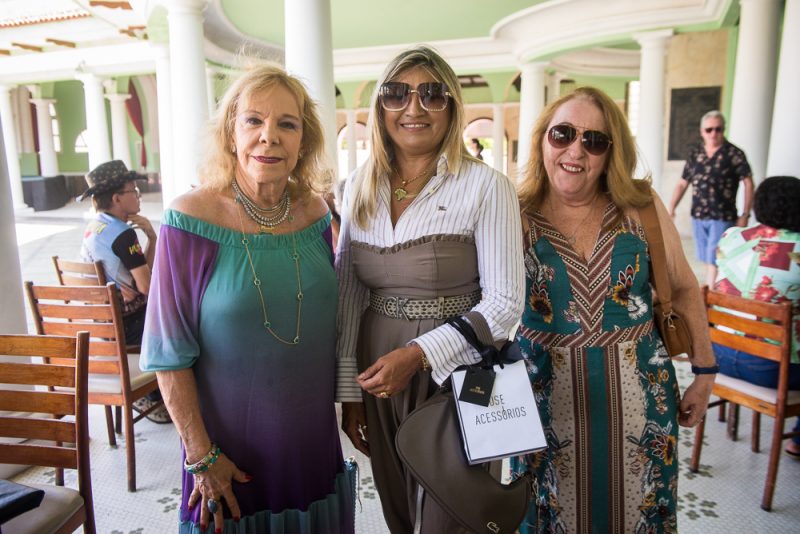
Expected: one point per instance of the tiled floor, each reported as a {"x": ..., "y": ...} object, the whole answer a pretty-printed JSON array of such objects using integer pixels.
[{"x": 723, "y": 497}]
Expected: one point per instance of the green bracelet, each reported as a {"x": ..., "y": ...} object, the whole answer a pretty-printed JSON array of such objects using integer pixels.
[{"x": 205, "y": 462}]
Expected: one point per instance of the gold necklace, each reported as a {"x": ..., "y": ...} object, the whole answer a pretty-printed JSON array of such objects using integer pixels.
[
  {"x": 401, "y": 193},
  {"x": 257, "y": 283},
  {"x": 266, "y": 218},
  {"x": 571, "y": 238}
]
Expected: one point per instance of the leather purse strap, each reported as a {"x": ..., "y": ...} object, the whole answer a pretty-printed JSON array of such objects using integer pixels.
[{"x": 658, "y": 256}]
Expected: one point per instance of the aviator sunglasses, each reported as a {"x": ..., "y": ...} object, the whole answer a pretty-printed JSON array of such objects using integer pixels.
[
  {"x": 563, "y": 135},
  {"x": 395, "y": 96},
  {"x": 717, "y": 129}
]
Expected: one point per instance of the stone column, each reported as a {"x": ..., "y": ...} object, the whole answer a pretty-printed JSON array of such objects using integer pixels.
[
  {"x": 119, "y": 128},
  {"x": 24, "y": 120},
  {"x": 189, "y": 99},
  {"x": 650, "y": 133},
  {"x": 12, "y": 312},
  {"x": 309, "y": 56},
  {"x": 784, "y": 156},
  {"x": 498, "y": 135},
  {"x": 352, "y": 143},
  {"x": 12, "y": 152},
  {"x": 96, "y": 122},
  {"x": 754, "y": 81},
  {"x": 165, "y": 155},
  {"x": 531, "y": 104},
  {"x": 48, "y": 162}
]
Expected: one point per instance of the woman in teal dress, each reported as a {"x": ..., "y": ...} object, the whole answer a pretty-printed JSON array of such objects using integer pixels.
[
  {"x": 241, "y": 324},
  {"x": 606, "y": 387}
]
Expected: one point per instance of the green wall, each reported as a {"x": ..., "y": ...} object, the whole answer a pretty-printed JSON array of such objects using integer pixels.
[{"x": 71, "y": 113}]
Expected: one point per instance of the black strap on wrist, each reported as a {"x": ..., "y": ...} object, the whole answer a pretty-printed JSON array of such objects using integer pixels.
[{"x": 712, "y": 370}]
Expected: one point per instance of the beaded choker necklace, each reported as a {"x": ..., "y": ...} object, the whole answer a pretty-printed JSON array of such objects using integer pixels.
[
  {"x": 257, "y": 281},
  {"x": 266, "y": 218}
]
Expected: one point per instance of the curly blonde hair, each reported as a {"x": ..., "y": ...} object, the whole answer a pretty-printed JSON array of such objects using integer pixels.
[
  {"x": 309, "y": 175},
  {"x": 617, "y": 180},
  {"x": 365, "y": 189}
]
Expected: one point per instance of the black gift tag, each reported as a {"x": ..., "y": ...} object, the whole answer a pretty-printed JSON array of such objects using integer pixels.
[{"x": 477, "y": 387}]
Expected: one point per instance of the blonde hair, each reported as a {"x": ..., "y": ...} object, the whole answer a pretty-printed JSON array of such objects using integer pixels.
[
  {"x": 617, "y": 180},
  {"x": 365, "y": 188},
  {"x": 219, "y": 165}
]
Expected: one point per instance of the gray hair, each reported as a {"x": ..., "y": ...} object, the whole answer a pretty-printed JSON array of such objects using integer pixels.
[{"x": 713, "y": 114}]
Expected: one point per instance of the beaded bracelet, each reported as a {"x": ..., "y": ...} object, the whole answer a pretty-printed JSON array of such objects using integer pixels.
[{"x": 205, "y": 462}]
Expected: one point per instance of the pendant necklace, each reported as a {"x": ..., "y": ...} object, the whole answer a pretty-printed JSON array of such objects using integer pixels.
[
  {"x": 257, "y": 281},
  {"x": 266, "y": 218},
  {"x": 401, "y": 193},
  {"x": 571, "y": 238}
]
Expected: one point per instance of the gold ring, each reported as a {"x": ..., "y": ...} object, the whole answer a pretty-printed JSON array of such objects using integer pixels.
[{"x": 383, "y": 395}]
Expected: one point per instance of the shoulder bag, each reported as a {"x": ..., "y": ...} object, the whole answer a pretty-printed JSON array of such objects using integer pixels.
[
  {"x": 429, "y": 444},
  {"x": 671, "y": 326}
]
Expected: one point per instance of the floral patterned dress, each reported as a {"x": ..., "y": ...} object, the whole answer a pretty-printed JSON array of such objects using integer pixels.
[{"x": 605, "y": 385}]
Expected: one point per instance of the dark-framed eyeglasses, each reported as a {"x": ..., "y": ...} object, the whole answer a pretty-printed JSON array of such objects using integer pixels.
[
  {"x": 395, "y": 96},
  {"x": 718, "y": 129},
  {"x": 134, "y": 190},
  {"x": 563, "y": 135}
]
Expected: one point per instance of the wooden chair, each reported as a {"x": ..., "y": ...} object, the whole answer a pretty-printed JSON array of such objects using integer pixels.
[
  {"x": 114, "y": 375},
  {"x": 63, "y": 364},
  {"x": 771, "y": 322},
  {"x": 78, "y": 273}
]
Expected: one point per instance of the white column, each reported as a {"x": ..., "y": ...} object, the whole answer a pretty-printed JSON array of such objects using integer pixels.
[
  {"x": 12, "y": 312},
  {"x": 498, "y": 135},
  {"x": 96, "y": 122},
  {"x": 754, "y": 81},
  {"x": 24, "y": 120},
  {"x": 212, "y": 102},
  {"x": 650, "y": 133},
  {"x": 10, "y": 142},
  {"x": 165, "y": 155},
  {"x": 554, "y": 87},
  {"x": 531, "y": 104},
  {"x": 309, "y": 56},
  {"x": 189, "y": 99},
  {"x": 784, "y": 157},
  {"x": 48, "y": 162},
  {"x": 119, "y": 128},
  {"x": 352, "y": 148}
]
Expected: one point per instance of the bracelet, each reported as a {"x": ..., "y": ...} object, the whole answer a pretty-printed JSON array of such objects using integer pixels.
[
  {"x": 426, "y": 365},
  {"x": 205, "y": 462},
  {"x": 714, "y": 369}
]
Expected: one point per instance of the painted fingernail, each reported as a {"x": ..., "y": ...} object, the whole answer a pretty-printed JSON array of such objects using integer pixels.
[
  {"x": 218, "y": 531},
  {"x": 236, "y": 519},
  {"x": 248, "y": 478}
]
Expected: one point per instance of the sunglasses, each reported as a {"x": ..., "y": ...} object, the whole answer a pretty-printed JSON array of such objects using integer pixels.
[
  {"x": 563, "y": 135},
  {"x": 395, "y": 96},
  {"x": 717, "y": 129}
]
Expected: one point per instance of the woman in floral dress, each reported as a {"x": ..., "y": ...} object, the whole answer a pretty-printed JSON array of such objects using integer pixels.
[{"x": 605, "y": 385}]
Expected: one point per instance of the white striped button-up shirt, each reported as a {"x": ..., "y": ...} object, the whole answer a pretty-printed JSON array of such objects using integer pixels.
[{"x": 478, "y": 202}]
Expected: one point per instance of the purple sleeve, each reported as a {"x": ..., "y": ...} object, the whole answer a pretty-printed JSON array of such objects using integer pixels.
[{"x": 183, "y": 266}]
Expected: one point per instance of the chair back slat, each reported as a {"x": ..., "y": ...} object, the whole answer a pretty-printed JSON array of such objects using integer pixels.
[
  {"x": 55, "y": 402},
  {"x": 85, "y": 312},
  {"x": 77, "y": 294},
  {"x": 746, "y": 344},
  {"x": 42, "y": 455},
  {"x": 37, "y": 346},
  {"x": 32, "y": 374},
  {"x": 103, "y": 330},
  {"x": 755, "y": 327},
  {"x": 79, "y": 273},
  {"x": 41, "y": 429},
  {"x": 765, "y": 310}
]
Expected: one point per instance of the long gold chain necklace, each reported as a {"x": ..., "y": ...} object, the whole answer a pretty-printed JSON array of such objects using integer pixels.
[
  {"x": 257, "y": 282},
  {"x": 401, "y": 193},
  {"x": 266, "y": 218}
]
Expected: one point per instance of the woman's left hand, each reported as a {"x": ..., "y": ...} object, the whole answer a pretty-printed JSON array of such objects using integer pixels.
[
  {"x": 391, "y": 373},
  {"x": 695, "y": 400}
]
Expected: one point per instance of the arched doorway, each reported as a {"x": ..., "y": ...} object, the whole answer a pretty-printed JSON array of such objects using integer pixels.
[
  {"x": 483, "y": 130},
  {"x": 362, "y": 149}
]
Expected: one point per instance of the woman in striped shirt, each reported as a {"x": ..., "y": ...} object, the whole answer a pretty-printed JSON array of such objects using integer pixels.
[{"x": 428, "y": 232}]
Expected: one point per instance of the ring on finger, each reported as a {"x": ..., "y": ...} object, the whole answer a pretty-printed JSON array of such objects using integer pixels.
[
  {"x": 383, "y": 395},
  {"x": 212, "y": 506}
]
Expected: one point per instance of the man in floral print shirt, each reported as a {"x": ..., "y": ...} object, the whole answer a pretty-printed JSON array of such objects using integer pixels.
[
  {"x": 714, "y": 168},
  {"x": 762, "y": 262}
]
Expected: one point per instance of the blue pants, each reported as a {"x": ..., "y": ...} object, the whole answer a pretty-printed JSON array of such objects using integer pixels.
[
  {"x": 706, "y": 236},
  {"x": 755, "y": 370}
]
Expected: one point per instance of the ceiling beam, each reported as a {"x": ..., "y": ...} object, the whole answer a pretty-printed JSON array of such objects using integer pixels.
[
  {"x": 24, "y": 46},
  {"x": 59, "y": 42}
]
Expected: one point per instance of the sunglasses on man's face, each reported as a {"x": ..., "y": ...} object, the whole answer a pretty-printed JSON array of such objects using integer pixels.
[
  {"x": 563, "y": 135},
  {"x": 395, "y": 96},
  {"x": 717, "y": 129}
]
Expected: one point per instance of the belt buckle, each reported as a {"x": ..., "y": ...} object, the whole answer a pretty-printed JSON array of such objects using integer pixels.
[
  {"x": 390, "y": 306},
  {"x": 401, "y": 310}
]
